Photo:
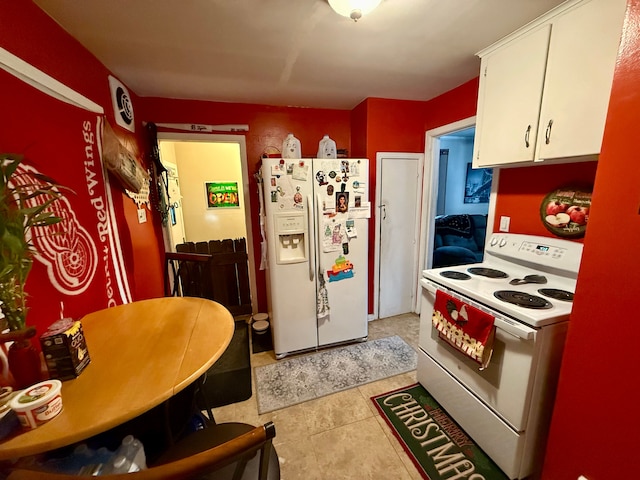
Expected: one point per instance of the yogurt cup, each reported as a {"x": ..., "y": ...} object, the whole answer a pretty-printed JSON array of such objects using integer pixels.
[{"x": 38, "y": 403}]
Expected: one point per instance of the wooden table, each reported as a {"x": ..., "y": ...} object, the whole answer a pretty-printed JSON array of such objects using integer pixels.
[{"x": 142, "y": 353}]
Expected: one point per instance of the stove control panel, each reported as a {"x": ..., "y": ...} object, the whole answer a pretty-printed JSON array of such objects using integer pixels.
[
  {"x": 542, "y": 249},
  {"x": 553, "y": 252}
]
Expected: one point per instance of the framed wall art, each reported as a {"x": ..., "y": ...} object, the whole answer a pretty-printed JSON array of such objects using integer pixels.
[{"x": 477, "y": 186}]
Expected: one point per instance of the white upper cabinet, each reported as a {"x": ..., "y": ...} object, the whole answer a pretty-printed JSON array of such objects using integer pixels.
[
  {"x": 511, "y": 83},
  {"x": 544, "y": 90}
]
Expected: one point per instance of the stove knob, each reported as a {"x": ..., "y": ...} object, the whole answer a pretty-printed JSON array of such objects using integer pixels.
[
  {"x": 493, "y": 241},
  {"x": 503, "y": 242}
]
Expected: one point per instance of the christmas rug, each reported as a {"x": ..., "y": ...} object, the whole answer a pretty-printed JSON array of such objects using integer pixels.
[{"x": 438, "y": 447}]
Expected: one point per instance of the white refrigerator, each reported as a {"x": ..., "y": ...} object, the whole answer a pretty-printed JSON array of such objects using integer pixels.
[{"x": 316, "y": 214}]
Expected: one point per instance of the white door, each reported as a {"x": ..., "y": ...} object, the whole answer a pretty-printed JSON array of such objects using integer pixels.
[
  {"x": 399, "y": 179},
  {"x": 175, "y": 221}
]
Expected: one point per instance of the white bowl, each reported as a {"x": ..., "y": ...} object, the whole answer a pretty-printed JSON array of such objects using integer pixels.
[{"x": 260, "y": 327}]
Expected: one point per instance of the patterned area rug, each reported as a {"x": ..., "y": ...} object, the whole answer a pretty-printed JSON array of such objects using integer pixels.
[
  {"x": 438, "y": 447},
  {"x": 299, "y": 379}
]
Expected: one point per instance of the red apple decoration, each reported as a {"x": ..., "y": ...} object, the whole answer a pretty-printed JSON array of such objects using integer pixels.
[
  {"x": 558, "y": 220},
  {"x": 578, "y": 214},
  {"x": 556, "y": 207}
]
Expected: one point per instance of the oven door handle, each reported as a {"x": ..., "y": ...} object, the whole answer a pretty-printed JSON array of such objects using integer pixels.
[{"x": 509, "y": 326}]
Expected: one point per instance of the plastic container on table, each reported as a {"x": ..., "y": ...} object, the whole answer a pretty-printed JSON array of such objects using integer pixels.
[{"x": 38, "y": 403}]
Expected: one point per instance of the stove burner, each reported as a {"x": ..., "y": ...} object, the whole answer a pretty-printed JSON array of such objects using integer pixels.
[
  {"x": 557, "y": 294},
  {"x": 522, "y": 299},
  {"x": 487, "y": 272},
  {"x": 455, "y": 275}
]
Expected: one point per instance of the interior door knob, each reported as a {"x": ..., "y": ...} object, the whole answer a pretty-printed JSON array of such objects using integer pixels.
[{"x": 384, "y": 210}]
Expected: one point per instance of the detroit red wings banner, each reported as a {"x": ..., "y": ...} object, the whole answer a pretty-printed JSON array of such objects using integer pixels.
[{"x": 78, "y": 268}]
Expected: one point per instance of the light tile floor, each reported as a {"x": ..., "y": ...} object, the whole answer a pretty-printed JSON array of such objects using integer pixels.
[{"x": 340, "y": 436}]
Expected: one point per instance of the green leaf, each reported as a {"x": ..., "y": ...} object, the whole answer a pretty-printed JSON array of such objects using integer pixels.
[
  {"x": 11, "y": 166},
  {"x": 26, "y": 200}
]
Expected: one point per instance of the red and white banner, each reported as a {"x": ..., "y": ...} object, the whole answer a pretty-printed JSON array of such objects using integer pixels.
[{"x": 79, "y": 269}]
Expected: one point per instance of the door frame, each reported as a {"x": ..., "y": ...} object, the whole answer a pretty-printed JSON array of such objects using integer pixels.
[
  {"x": 430, "y": 181},
  {"x": 376, "y": 265},
  {"x": 242, "y": 143}
]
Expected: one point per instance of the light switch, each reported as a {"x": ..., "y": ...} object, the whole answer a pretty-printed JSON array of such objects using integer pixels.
[
  {"x": 504, "y": 224},
  {"x": 142, "y": 215}
]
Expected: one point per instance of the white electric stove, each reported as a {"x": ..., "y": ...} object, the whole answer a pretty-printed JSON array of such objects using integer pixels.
[
  {"x": 509, "y": 261},
  {"x": 526, "y": 283}
]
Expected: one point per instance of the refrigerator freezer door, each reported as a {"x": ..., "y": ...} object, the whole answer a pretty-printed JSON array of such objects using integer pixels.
[
  {"x": 342, "y": 247},
  {"x": 290, "y": 287}
]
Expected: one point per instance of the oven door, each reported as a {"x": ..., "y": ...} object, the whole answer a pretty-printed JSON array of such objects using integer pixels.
[{"x": 505, "y": 386}]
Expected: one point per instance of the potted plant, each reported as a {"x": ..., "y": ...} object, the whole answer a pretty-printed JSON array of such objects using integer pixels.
[{"x": 25, "y": 198}]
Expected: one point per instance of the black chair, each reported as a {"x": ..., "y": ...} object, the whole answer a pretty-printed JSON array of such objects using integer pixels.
[
  {"x": 194, "y": 274},
  {"x": 187, "y": 275}
]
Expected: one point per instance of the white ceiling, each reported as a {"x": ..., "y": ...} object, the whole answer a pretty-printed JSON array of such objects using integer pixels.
[{"x": 290, "y": 52}]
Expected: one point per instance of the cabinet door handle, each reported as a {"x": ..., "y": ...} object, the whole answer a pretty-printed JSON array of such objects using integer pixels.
[
  {"x": 526, "y": 136},
  {"x": 547, "y": 135}
]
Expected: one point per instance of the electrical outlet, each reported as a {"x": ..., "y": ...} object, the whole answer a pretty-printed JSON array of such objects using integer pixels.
[
  {"x": 142, "y": 215},
  {"x": 504, "y": 224}
]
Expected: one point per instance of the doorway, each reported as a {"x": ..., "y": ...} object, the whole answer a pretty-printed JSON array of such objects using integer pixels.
[
  {"x": 438, "y": 187},
  {"x": 399, "y": 177},
  {"x": 175, "y": 222},
  {"x": 197, "y": 165}
]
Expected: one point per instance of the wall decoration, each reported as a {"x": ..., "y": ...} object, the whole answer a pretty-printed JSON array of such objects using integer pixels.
[
  {"x": 291, "y": 147},
  {"x": 477, "y": 186},
  {"x": 80, "y": 260},
  {"x": 142, "y": 197},
  {"x": 122, "y": 107},
  {"x": 196, "y": 127},
  {"x": 122, "y": 163},
  {"x": 222, "y": 194},
  {"x": 565, "y": 211}
]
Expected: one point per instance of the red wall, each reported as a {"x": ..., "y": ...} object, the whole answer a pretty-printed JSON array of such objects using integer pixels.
[
  {"x": 27, "y": 32},
  {"x": 454, "y": 105},
  {"x": 522, "y": 190},
  {"x": 384, "y": 125},
  {"x": 390, "y": 126},
  {"x": 268, "y": 127},
  {"x": 376, "y": 125},
  {"x": 596, "y": 416}
]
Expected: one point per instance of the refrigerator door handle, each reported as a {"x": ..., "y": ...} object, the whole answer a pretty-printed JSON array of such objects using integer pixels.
[
  {"x": 318, "y": 238},
  {"x": 310, "y": 235}
]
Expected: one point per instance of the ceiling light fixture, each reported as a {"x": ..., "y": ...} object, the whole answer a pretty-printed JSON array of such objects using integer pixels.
[{"x": 354, "y": 9}]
